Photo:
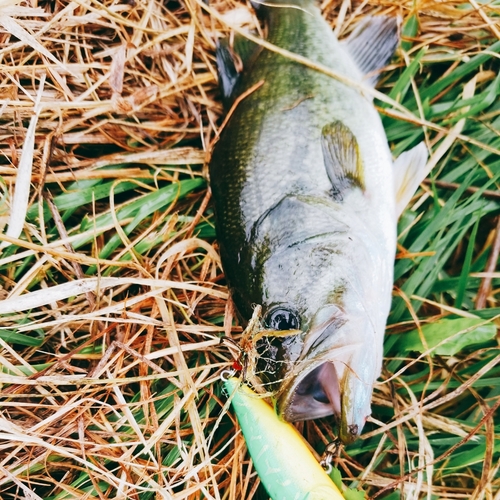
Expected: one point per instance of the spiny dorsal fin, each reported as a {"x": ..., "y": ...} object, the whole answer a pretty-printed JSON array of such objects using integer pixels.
[
  {"x": 231, "y": 60},
  {"x": 228, "y": 74},
  {"x": 342, "y": 159},
  {"x": 409, "y": 171},
  {"x": 372, "y": 44}
]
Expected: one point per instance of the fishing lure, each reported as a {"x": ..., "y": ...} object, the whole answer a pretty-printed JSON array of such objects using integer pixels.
[{"x": 287, "y": 468}]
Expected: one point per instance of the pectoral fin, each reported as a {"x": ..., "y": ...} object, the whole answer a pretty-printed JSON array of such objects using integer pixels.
[
  {"x": 342, "y": 159},
  {"x": 409, "y": 171},
  {"x": 372, "y": 44},
  {"x": 232, "y": 58}
]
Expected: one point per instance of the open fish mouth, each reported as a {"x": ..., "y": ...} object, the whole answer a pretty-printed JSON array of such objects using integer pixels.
[
  {"x": 332, "y": 387},
  {"x": 316, "y": 395}
]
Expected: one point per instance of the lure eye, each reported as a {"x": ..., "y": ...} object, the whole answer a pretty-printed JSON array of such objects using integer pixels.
[{"x": 282, "y": 319}]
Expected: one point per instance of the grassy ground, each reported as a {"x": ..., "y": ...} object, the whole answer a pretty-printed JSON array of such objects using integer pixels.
[{"x": 113, "y": 295}]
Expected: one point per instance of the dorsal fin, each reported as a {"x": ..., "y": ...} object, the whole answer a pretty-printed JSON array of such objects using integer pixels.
[
  {"x": 342, "y": 159},
  {"x": 226, "y": 68},
  {"x": 231, "y": 60},
  {"x": 372, "y": 44}
]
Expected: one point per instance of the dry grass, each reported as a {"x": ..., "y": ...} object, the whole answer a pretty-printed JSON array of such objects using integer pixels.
[{"x": 113, "y": 295}]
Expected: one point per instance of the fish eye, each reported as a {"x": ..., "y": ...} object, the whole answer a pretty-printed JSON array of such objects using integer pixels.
[{"x": 282, "y": 319}]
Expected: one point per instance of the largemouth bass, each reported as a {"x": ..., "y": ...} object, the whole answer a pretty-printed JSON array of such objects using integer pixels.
[{"x": 306, "y": 199}]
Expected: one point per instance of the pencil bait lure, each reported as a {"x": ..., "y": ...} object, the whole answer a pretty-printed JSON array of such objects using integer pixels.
[{"x": 287, "y": 468}]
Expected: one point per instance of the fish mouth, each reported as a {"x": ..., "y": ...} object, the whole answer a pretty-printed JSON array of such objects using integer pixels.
[
  {"x": 329, "y": 388},
  {"x": 316, "y": 395}
]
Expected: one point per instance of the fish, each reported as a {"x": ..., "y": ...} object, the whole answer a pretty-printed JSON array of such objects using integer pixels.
[
  {"x": 306, "y": 198},
  {"x": 285, "y": 465}
]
